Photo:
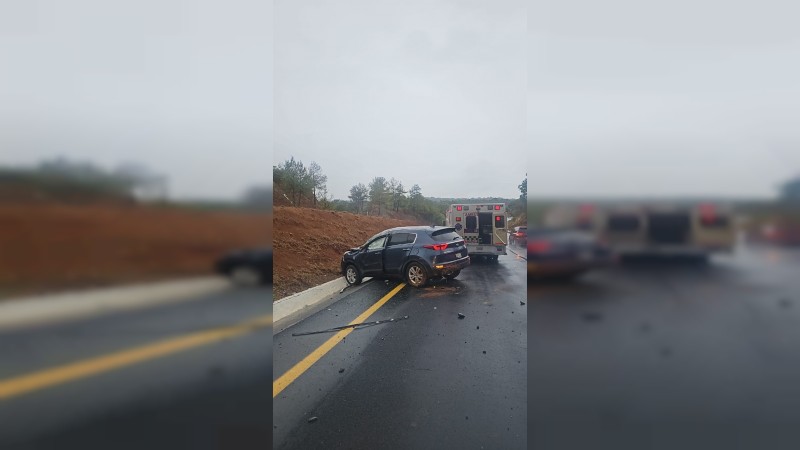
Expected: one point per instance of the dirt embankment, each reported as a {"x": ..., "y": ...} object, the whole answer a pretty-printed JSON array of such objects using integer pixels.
[
  {"x": 308, "y": 244},
  {"x": 48, "y": 247}
]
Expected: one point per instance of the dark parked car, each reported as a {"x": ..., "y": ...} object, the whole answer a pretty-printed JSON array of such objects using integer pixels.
[
  {"x": 564, "y": 253},
  {"x": 251, "y": 266},
  {"x": 415, "y": 254}
]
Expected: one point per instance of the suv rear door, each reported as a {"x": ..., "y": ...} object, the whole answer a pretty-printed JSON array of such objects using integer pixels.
[{"x": 397, "y": 250}]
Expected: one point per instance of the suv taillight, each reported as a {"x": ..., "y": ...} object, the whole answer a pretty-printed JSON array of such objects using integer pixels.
[{"x": 436, "y": 247}]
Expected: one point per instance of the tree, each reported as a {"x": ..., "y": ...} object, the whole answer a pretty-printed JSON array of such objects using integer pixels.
[
  {"x": 415, "y": 197},
  {"x": 317, "y": 181},
  {"x": 292, "y": 177},
  {"x": 378, "y": 189},
  {"x": 358, "y": 195},
  {"x": 523, "y": 189},
  {"x": 398, "y": 194}
]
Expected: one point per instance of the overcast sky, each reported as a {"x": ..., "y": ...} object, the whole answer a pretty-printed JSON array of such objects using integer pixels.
[
  {"x": 619, "y": 97},
  {"x": 428, "y": 92},
  {"x": 663, "y": 98},
  {"x": 182, "y": 87}
]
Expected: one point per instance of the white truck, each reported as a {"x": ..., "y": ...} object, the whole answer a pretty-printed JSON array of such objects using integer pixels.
[{"x": 483, "y": 227}]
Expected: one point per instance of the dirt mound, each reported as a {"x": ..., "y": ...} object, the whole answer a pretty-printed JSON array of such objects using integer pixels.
[
  {"x": 46, "y": 247},
  {"x": 308, "y": 244}
]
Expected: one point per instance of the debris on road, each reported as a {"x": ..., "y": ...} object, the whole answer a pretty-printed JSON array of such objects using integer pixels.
[
  {"x": 478, "y": 327},
  {"x": 313, "y": 419},
  {"x": 354, "y": 326},
  {"x": 484, "y": 352},
  {"x": 461, "y": 316},
  {"x": 341, "y": 370},
  {"x": 521, "y": 302}
]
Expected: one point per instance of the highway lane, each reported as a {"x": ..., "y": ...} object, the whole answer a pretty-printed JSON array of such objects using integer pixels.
[
  {"x": 210, "y": 393},
  {"x": 669, "y": 354},
  {"x": 430, "y": 381}
]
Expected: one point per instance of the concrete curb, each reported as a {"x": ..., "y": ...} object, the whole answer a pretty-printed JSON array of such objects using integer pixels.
[
  {"x": 15, "y": 313},
  {"x": 296, "y": 307}
]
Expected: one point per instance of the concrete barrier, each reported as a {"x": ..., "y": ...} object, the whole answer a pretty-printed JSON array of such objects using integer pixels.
[
  {"x": 290, "y": 310},
  {"x": 42, "y": 309}
]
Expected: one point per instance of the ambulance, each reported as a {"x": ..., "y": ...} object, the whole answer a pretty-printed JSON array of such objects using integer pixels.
[
  {"x": 653, "y": 228},
  {"x": 483, "y": 227}
]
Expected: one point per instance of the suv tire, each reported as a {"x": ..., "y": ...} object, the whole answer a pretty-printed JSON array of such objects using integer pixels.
[
  {"x": 352, "y": 276},
  {"x": 416, "y": 275}
]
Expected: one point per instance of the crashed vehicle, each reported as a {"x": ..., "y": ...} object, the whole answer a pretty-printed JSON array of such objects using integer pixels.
[
  {"x": 564, "y": 253},
  {"x": 414, "y": 254},
  {"x": 249, "y": 266}
]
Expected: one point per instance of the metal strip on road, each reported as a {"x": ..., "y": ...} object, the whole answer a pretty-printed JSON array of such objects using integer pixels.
[
  {"x": 42, "y": 379},
  {"x": 518, "y": 255},
  {"x": 300, "y": 368}
]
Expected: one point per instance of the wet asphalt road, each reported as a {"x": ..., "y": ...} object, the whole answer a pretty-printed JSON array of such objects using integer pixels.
[
  {"x": 669, "y": 354},
  {"x": 423, "y": 382},
  {"x": 209, "y": 397}
]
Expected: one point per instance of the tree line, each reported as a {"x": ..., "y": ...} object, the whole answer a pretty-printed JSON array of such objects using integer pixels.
[{"x": 303, "y": 185}]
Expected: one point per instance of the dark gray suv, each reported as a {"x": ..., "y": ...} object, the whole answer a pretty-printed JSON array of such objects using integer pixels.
[{"x": 415, "y": 254}]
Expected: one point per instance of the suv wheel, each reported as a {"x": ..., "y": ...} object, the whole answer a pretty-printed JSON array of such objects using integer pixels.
[
  {"x": 416, "y": 275},
  {"x": 352, "y": 275}
]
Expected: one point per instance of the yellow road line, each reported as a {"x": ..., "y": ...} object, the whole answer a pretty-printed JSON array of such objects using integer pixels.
[
  {"x": 292, "y": 374},
  {"x": 69, "y": 372}
]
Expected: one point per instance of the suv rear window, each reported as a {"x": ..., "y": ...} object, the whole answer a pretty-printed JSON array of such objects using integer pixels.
[
  {"x": 400, "y": 239},
  {"x": 445, "y": 235}
]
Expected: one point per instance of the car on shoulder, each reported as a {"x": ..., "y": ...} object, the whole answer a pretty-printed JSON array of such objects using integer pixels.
[
  {"x": 519, "y": 236},
  {"x": 564, "y": 253},
  {"x": 415, "y": 254},
  {"x": 247, "y": 266}
]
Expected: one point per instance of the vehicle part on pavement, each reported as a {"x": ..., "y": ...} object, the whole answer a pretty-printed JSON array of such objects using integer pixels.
[
  {"x": 354, "y": 326},
  {"x": 452, "y": 275}
]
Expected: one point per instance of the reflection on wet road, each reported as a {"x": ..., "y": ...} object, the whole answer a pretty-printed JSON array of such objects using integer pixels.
[
  {"x": 669, "y": 354},
  {"x": 433, "y": 380}
]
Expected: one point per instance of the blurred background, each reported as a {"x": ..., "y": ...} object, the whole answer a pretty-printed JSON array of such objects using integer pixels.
[
  {"x": 664, "y": 223},
  {"x": 135, "y": 224}
]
